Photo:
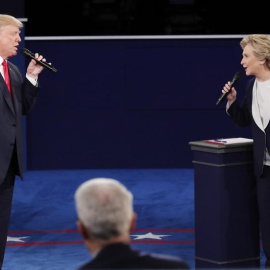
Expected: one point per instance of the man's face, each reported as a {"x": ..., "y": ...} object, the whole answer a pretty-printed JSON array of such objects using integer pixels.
[{"x": 9, "y": 41}]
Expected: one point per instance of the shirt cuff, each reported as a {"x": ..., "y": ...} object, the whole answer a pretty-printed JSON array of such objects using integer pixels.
[
  {"x": 227, "y": 107},
  {"x": 33, "y": 81}
]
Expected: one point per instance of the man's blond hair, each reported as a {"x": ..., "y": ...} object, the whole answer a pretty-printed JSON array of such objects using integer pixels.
[{"x": 9, "y": 20}]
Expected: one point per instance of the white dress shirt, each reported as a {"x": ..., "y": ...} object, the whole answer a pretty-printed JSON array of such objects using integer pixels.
[{"x": 261, "y": 108}]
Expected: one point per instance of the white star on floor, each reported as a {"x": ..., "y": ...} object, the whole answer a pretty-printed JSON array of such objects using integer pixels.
[
  {"x": 16, "y": 239},
  {"x": 149, "y": 236}
]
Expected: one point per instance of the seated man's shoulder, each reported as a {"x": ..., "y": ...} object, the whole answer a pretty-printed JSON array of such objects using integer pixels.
[{"x": 164, "y": 261}]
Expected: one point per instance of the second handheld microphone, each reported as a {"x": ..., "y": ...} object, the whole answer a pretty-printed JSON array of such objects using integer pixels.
[
  {"x": 235, "y": 79},
  {"x": 27, "y": 53}
]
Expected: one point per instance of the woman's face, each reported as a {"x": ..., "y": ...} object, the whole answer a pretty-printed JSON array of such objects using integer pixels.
[{"x": 251, "y": 64}]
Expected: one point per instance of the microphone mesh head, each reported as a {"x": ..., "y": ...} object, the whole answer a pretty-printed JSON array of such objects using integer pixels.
[{"x": 236, "y": 77}]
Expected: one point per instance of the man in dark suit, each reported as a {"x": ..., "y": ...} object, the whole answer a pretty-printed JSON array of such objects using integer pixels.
[
  {"x": 17, "y": 97},
  {"x": 105, "y": 220}
]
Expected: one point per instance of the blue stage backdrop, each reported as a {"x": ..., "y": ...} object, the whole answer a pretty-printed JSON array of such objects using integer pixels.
[{"x": 130, "y": 103}]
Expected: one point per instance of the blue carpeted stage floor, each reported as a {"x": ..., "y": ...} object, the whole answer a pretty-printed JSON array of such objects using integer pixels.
[{"x": 43, "y": 233}]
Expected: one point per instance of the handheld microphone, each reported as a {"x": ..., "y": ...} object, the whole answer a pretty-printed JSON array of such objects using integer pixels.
[
  {"x": 31, "y": 55},
  {"x": 235, "y": 79}
]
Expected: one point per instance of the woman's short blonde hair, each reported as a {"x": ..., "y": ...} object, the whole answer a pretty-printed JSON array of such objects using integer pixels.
[{"x": 260, "y": 44}]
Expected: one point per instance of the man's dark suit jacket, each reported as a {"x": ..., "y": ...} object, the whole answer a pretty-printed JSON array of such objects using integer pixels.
[
  {"x": 122, "y": 256},
  {"x": 242, "y": 116},
  {"x": 11, "y": 111}
]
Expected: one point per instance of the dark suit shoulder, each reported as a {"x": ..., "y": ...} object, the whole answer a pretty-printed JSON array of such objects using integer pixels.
[
  {"x": 122, "y": 256},
  {"x": 162, "y": 261}
]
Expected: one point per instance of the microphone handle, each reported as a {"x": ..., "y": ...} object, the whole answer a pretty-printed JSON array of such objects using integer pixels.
[
  {"x": 42, "y": 63},
  {"x": 235, "y": 79},
  {"x": 223, "y": 96}
]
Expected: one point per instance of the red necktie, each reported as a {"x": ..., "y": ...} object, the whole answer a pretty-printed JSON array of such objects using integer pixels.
[{"x": 6, "y": 75}]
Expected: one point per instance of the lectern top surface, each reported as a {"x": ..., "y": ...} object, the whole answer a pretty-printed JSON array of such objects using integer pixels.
[{"x": 226, "y": 144}]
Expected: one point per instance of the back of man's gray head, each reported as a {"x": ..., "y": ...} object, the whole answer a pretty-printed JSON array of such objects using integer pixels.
[{"x": 105, "y": 207}]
